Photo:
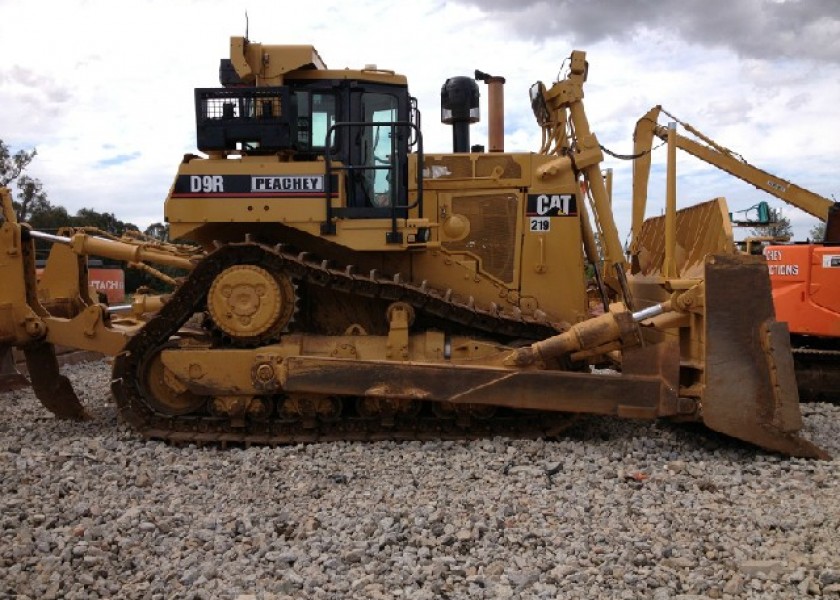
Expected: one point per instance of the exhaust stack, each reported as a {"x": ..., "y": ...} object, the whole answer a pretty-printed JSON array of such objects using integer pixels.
[{"x": 495, "y": 110}]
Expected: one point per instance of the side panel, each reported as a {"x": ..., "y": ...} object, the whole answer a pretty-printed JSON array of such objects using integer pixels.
[
  {"x": 825, "y": 281},
  {"x": 529, "y": 244},
  {"x": 552, "y": 268},
  {"x": 246, "y": 191},
  {"x": 806, "y": 287},
  {"x": 518, "y": 222},
  {"x": 111, "y": 282}
]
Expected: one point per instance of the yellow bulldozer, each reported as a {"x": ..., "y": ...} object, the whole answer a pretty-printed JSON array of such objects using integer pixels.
[{"x": 347, "y": 284}]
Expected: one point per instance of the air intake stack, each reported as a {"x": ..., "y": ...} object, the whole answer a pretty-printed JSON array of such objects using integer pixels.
[{"x": 459, "y": 108}]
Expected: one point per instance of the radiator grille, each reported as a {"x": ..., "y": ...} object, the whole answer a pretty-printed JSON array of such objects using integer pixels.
[{"x": 492, "y": 235}]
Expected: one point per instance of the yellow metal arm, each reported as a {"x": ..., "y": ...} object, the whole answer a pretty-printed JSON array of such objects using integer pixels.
[
  {"x": 132, "y": 251},
  {"x": 563, "y": 104},
  {"x": 8, "y": 209},
  {"x": 724, "y": 159}
]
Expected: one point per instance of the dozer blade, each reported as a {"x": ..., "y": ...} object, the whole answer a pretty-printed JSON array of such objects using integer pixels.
[
  {"x": 750, "y": 389},
  {"x": 10, "y": 377},
  {"x": 51, "y": 387}
]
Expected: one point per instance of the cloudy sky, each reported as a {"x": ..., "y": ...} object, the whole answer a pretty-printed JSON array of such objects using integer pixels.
[{"x": 103, "y": 90}]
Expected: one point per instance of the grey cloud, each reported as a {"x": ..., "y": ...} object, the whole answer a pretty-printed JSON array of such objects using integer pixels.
[
  {"x": 26, "y": 77},
  {"x": 764, "y": 29},
  {"x": 35, "y": 82}
]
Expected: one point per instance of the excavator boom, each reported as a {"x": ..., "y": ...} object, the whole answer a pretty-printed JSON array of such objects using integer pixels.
[{"x": 723, "y": 158}]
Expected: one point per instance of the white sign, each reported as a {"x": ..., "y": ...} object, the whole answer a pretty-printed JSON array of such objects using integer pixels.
[
  {"x": 209, "y": 184},
  {"x": 288, "y": 183},
  {"x": 554, "y": 204},
  {"x": 831, "y": 261},
  {"x": 540, "y": 224}
]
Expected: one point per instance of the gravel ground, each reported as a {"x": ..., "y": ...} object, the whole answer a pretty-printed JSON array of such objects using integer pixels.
[{"x": 613, "y": 510}]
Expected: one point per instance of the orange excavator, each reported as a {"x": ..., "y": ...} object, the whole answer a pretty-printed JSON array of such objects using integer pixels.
[{"x": 804, "y": 277}]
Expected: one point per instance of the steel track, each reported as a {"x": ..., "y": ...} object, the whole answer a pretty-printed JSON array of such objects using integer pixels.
[
  {"x": 817, "y": 374},
  {"x": 130, "y": 393}
]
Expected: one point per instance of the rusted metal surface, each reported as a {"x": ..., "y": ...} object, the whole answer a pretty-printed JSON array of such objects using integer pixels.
[
  {"x": 459, "y": 384},
  {"x": 10, "y": 377},
  {"x": 750, "y": 390},
  {"x": 701, "y": 230},
  {"x": 647, "y": 388},
  {"x": 51, "y": 387}
]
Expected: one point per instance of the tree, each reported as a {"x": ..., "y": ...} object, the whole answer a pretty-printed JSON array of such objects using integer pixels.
[
  {"x": 32, "y": 199},
  {"x": 87, "y": 217},
  {"x": 12, "y": 165},
  {"x": 158, "y": 231},
  {"x": 817, "y": 233},
  {"x": 31, "y": 196},
  {"x": 33, "y": 207},
  {"x": 779, "y": 226},
  {"x": 50, "y": 218}
]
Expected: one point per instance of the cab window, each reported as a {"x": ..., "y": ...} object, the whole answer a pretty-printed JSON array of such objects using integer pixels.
[
  {"x": 316, "y": 114},
  {"x": 380, "y": 147}
]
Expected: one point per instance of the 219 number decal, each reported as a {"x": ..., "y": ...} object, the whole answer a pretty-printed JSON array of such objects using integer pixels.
[{"x": 540, "y": 224}]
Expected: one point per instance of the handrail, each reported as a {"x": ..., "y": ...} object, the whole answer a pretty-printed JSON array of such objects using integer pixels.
[{"x": 328, "y": 227}]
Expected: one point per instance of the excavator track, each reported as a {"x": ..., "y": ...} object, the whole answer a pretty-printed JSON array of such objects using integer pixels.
[
  {"x": 348, "y": 422},
  {"x": 817, "y": 374}
]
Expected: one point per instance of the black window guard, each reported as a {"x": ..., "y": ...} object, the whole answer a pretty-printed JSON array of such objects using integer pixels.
[{"x": 257, "y": 118}]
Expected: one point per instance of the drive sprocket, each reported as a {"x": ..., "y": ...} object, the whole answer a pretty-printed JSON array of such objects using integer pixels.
[{"x": 250, "y": 305}]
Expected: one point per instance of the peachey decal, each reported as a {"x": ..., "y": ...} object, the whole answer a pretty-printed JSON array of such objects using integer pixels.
[
  {"x": 779, "y": 269},
  {"x": 783, "y": 269},
  {"x": 551, "y": 205},
  {"x": 260, "y": 186},
  {"x": 288, "y": 183}
]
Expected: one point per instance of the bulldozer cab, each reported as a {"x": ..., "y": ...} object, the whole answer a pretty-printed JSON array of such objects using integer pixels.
[{"x": 361, "y": 130}]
